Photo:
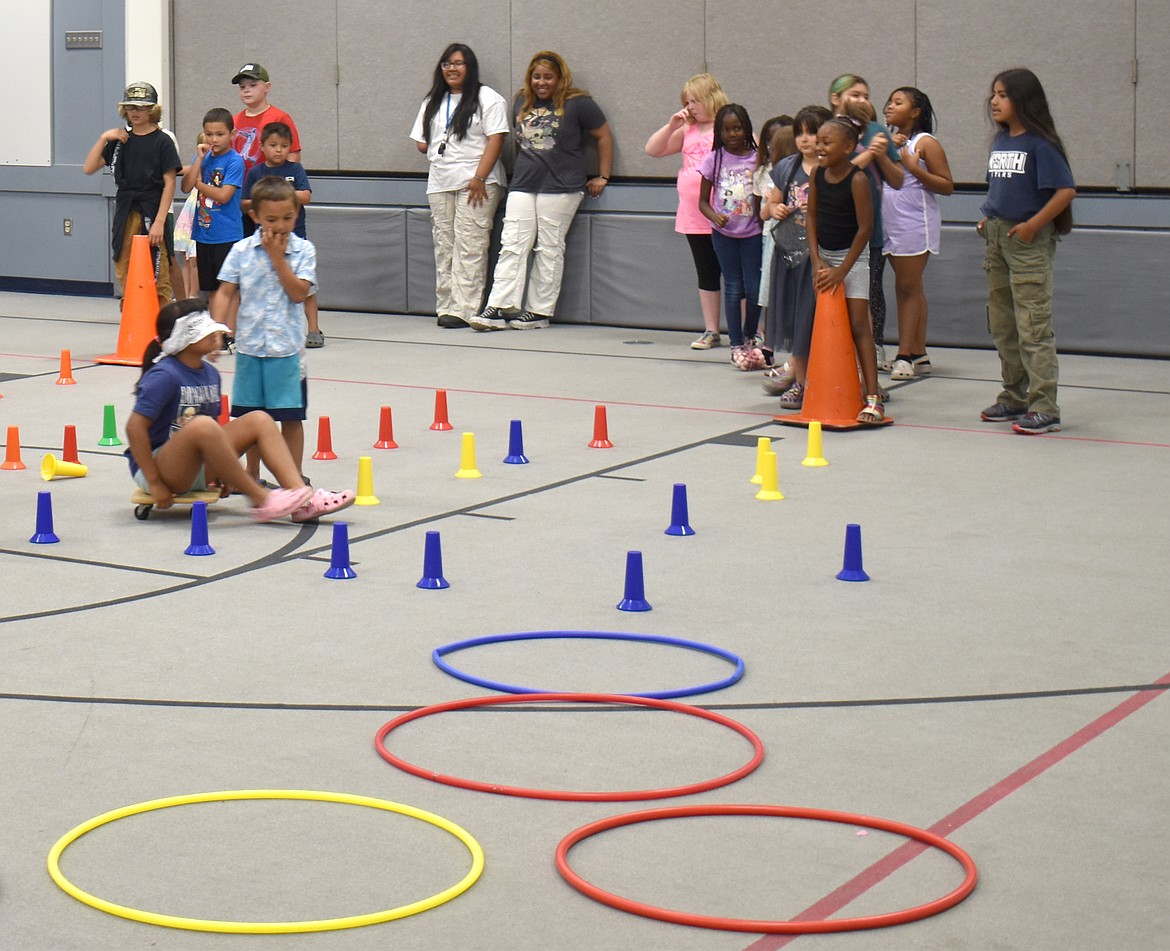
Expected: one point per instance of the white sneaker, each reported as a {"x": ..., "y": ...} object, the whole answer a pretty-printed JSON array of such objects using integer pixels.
[
  {"x": 883, "y": 362},
  {"x": 902, "y": 370},
  {"x": 708, "y": 340}
]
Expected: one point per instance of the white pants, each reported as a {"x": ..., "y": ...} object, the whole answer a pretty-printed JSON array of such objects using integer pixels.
[
  {"x": 540, "y": 221},
  {"x": 461, "y": 234}
]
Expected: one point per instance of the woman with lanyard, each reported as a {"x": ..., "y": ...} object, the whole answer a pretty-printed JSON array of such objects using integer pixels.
[
  {"x": 460, "y": 128},
  {"x": 552, "y": 121}
]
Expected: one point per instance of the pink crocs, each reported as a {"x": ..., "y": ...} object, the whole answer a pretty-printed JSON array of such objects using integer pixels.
[
  {"x": 281, "y": 502},
  {"x": 323, "y": 502}
]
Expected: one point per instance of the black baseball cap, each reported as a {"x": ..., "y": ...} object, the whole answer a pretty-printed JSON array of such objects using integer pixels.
[{"x": 139, "y": 94}]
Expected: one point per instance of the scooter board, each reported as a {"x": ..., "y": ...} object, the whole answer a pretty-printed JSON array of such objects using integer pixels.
[{"x": 143, "y": 501}]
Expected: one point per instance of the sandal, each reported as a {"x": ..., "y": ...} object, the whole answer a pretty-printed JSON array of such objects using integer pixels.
[
  {"x": 873, "y": 413},
  {"x": 778, "y": 380},
  {"x": 281, "y": 502},
  {"x": 793, "y": 397},
  {"x": 323, "y": 502}
]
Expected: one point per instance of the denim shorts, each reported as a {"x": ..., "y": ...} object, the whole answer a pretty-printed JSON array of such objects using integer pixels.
[{"x": 856, "y": 282}]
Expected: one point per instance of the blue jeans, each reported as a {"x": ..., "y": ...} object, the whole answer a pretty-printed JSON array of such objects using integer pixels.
[{"x": 740, "y": 260}]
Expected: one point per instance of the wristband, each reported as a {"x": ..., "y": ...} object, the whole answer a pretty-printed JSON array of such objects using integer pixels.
[{"x": 479, "y": 179}]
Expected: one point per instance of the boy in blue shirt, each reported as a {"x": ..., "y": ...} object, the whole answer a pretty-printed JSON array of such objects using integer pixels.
[
  {"x": 216, "y": 173},
  {"x": 276, "y": 141}
]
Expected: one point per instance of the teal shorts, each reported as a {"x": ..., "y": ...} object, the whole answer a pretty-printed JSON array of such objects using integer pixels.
[{"x": 274, "y": 384}]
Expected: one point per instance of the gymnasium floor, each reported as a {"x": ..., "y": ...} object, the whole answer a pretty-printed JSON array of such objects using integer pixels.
[{"x": 999, "y": 680}]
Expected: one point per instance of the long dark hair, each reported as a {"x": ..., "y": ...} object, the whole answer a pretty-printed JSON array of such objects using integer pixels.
[
  {"x": 920, "y": 101},
  {"x": 731, "y": 109},
  {"x": 1030, "y": 106},
  {"x": 167, "y": 318},
  {"x": 468, "y": 104}
]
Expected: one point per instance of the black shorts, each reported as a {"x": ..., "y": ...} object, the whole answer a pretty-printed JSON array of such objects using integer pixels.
[{"x": 209, "y": 259}]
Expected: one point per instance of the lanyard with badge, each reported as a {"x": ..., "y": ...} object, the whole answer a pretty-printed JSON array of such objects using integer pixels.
[{"x": 447, "y": 130}]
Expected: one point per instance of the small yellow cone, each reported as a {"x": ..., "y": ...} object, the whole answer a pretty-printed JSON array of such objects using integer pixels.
[
  {"x": 763, "y": 445},
  {"x": 770, "y": 491},
  {"x": 467, "y": 469},
  {"x": 365, "y": 483},
  {"x": 54, "y": 468},
  {"x": 816, "y": 450}
]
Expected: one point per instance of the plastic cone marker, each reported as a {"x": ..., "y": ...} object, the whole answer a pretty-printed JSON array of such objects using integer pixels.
[
  {"x": 109, "y": 428},
  {"x": 324, "y": 440},
  {"x": 139, "y": 307},
  {"x": 600, "y": 430},
  {"x": 467, "y": 468},
  {"x": 770, "y": 489},
  {"x": 365, "y": 483},
  {"x": 851, "y": 569},
  {"x": 66, "y": 376},
  {"x": 816, "y": 451},
  {"x": 679, "y": 517},
  {"x": 44, "y": 534},
  {"x": 12, "y": 458},
  {"x": 432, "y": 576},
  {"x": 516, "y": 455},
  {"x": 199, "y": 540},
  {"x": 385, "y": 430},
  {"x": 54, "y": 468},
  {"x": 225, "y": 410},
  {"x": 763, "y": 445},
  {"x": 69, "y": 445},
  {"x": 339, "y": 563},
  {"x": 635, "y": 590},
  {"x": 442, "y": 423}
]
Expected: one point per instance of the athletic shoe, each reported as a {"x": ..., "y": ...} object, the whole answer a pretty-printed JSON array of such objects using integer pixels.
[
  {"x": 902, "y": 370},
  {"x": 450, "y": 321},
  {"x": 707, "y": 341},
  {"x": 492, "y": 318},
  {"x": 778, "y": 379},
  {"x": 1002, "y": 413},
  {"x": 527, "y": 320},
  {"x": 1032, "y": 424}
]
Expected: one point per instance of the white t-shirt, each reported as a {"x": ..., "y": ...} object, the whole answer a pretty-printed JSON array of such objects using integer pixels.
[{"x": 456, "y": 167}]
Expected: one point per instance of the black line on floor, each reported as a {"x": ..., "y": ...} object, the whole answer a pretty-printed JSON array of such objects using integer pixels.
[
  {"x": 585, "y": 707},
  {"x": 498, "y": 518},
  {"x": 101, "y": 564},
  {"x": 621, "y": 478}
]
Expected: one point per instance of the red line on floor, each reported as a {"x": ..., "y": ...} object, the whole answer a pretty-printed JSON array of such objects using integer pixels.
[{"x": 881, "y": 869}]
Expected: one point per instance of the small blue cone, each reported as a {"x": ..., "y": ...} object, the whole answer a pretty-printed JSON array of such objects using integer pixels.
[
  {"x": 44, "y": 534},
  {"x": 199, "y": 541},
  {"x": 339, "y": 566},
  {"x": 635, "y": 599},
  {"x": 516, "y": 455},
  {"x": 433, "y": 564},
  {"x": 851, "y": 570},
  {"x": 679, "y": 520}
]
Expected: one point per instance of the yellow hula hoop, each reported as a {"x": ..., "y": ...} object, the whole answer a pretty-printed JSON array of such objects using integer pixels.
[{"x": 266, "y": 927}]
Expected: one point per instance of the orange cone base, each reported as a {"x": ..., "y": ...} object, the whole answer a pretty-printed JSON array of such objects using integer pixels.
[{"x": 834, "y": 424}]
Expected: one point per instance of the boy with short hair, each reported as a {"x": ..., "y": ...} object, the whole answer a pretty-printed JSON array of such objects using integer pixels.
[
  {"x": 270, "y": 274},
  {"x": 250, "y": 121},
  {"x": 217, "y": 173},
  {"x": 145, "y": 164},
  {"x": 276, "y": 144}
]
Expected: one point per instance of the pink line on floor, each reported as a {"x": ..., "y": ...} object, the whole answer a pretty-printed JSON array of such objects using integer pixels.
[{"x": 881, "y": 869}]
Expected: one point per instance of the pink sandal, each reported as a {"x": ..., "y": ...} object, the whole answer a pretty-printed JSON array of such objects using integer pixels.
[
  {"x": 281, "y": 502},
  {"x": 323, "y": 502}
]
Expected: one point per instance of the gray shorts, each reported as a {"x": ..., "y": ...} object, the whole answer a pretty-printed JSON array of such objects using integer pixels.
[
  {"x": 199, "y": 485},
  {"x": 857, "y": 280}
]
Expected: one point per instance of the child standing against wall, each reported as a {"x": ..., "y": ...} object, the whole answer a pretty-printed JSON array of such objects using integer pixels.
[
  {"x": 216, "y": 173},
  {"x": 1030, "y": 190},
  {"x": 145, "y": 165}
]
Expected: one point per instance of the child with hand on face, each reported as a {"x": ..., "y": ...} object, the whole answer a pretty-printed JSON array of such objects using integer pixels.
[{"x": 269, "y": 275}]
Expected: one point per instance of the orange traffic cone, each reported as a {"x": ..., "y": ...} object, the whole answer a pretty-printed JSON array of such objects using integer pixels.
[
  {"x": 832, "y": 395},
  {"x": 65, "y": 378},
  {"x": 139, "y": 308},
  {"x": 12, "y": 458}
]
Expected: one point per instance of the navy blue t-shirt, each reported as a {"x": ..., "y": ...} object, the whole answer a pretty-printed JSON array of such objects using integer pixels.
[
  {"x": 170, "y": 393},
  {"x": 293, "y": 173},
  {"x": 1023, "y": 173}
]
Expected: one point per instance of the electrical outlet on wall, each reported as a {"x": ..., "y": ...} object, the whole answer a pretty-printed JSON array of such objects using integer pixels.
[{"x": 68, "y": 227}]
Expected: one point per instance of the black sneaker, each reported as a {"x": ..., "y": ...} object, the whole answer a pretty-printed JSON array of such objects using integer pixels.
[
  {"x": 1032, "y": 424},
  {"x": 228, "y": 344},
  {"x": 1002, "y": 413},
  {"x": 492, "y": 318},
  {"x": 527, "y": 320},
  {"x": 450, "y": 321}
]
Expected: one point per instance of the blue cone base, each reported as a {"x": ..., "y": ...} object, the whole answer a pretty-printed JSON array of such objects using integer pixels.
[
  {"x": 852, "y": 575},
  {"x": 199, "y": 550},
  {"x": 634, "y": 604},
  {"x": 433, "y": 583},
  {"x": 679, "y": 530},
  {"x": 44, "y": 538},
  {"x": 342, "y": 571},
  {"x": 519, "y": 460}
]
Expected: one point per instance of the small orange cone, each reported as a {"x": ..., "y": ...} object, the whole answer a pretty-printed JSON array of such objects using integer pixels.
[
  {"x": 66, "y": 376},
  {"x": 12, "y": 458},
  {"x": 324, "y": 440},
  {"x": 441, "y": 423},
  {"x": 385, "y": 430},
  {"x": 139, "y": 308},
  {"x": 832, "y": 395},
  {"x": 225, "y": 414},
  {"x": 69, "y": 445},
  {"x": 600, "y": 430}
]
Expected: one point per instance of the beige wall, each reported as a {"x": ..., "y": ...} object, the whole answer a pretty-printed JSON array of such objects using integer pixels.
[{"x": 353, "y": 73}]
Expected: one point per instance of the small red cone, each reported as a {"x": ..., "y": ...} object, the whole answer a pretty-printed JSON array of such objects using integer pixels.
[
  {"x": 225, "y": 415},
  {"x": 600, "y": 430},
  {"x": 441, "y": 423},
  {"x": 385, "y": 430},
  {"x": 66, "y": 376},
  {"x": 69, "y": 446},
  {"x": 12, "y": 458},
  {"x": 324, "y": 440}
]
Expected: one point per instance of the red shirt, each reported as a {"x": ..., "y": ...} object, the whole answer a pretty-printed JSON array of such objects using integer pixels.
[{"x": 246, "y": 137}]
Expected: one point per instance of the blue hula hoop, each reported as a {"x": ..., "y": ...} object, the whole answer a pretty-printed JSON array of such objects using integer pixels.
[{"x": 438, "y": 654}]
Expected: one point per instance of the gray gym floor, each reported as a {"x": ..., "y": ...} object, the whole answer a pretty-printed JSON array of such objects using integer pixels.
[{"x": 999, "y": 680}]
